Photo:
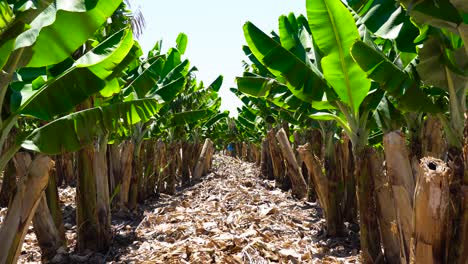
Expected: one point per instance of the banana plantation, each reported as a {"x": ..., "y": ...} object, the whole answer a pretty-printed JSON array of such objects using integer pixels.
[{"x": 351, "y": 144}]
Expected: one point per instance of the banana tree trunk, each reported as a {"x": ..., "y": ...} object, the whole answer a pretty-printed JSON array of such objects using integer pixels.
[
  {"x": 22, "y": 208},
  {"x": 172, "y": 168},
  {"x": 8, "y": 184},
  {"x": 48, "y": 236},
  {"x": 163, "y": 166},
  {"x": 53, "y": 206},
  {"x": 92, "y": 198},
  {"x": 431, "y": 205},
  {"x": 365, "y": 171},
  {"x": 299, "y": 186},
  {"x": 204, "y": 161},
  {"x": 187, "y": 149},
  {"x": 400, "y": 175},
  {"x": 114, "y": 166},
  {"x": 279, "y": 170},
  {"x": 345, "y": 158},
  {"x": 387, "y": 216},
  {"x": 266, "y": 165},
  {"x": 136, "y": 176},
  {"x": 126, "y": 171},
  {"x": 433, "y": 141}
]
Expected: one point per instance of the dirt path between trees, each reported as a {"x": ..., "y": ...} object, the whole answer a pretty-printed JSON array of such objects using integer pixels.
[{"x": 232, "y": 216}]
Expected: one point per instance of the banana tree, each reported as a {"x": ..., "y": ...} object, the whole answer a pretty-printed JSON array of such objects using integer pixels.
[{"x": 333, "y": 40}]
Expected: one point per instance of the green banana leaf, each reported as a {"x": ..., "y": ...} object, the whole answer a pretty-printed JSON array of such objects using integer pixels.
[
  {"x": 62, "y": 94},
  {"x": 303, "y": 82},
  {"x": 216, "y": 84},
  {"x": 61, "y": 28},
  {"x": 397, "y": 83},
  {"x": 72, "y": 132},
  {"x": 334, "y": 31},
  {"x": 189, "y": 117},
  {"x": 182, "y": 42},
  {"x": 103, "y": 58},
  {"x": 215, "y": 119}
]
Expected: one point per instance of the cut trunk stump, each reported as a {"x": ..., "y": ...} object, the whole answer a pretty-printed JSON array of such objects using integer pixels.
[
  {"x": 299, "y": 186},
  {"x": 204, "y": 161},
  {"x": 431, "y": 205},
  {"x": 22, "y": 208}
]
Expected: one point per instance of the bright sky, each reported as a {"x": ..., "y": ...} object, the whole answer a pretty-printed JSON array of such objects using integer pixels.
[{"x": 214, "y": 30}]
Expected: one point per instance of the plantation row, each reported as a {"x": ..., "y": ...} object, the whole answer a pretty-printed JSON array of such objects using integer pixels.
[
  {"x": 82, "y": 105},
  {"x": 362, "y": 106}
]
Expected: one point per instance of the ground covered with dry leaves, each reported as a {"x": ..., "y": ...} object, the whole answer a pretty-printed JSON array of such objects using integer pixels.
[{"x": 232, "y": 216}]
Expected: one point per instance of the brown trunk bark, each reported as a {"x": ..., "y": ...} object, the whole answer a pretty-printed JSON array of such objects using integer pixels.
[
  {"x": 431, "y": 205},
  {"x": 48, "y": 236},
  {"x": 266, "y": 166},
  {"x": 458, "y": 183},
  {"x": 245, "y": 148},
  {"x": 92, "y": 199},
  {"x": 316, "y": 176},
  {"x": 299, "y": 186},
  {"x": 433, "y": 141},
  {"x": 22, "y": 208},
  {"x": 163, "y": 167},
  {"x": 325, "y": 187},
  {"x": 187, "y": 149},
  {"x": 8, "y": 185},
  {"x": 365, "y": 172},
  {"x": 126, "y": 171},
  {"x": 136, "y": 176},
  {"x": 53, "y": 206},
  {"x": 171, "y": 180},
  {"x": 345, "y": 157},
  {"x": 400, "y": 175},
  {"x": 279, "y": 170},
  {"x": 204, "y": 161},
  {"x": 114, "y": 166},
  {"x": 386, "y": 214}
]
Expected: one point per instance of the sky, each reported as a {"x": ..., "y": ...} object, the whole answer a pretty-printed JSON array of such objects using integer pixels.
[{"x": 214, "y": 30}]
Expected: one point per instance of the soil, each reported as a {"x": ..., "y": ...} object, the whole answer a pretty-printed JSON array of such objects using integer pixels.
[{"x": 232, "y": 216}]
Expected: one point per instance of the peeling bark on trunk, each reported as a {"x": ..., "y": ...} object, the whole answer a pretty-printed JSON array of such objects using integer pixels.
[
  {"x": 386, "y": 214},
  {"x": 279, "y": 170},
  {"x": 92, "y": 199},
  {"x": 204, "y": 161},
  {"x": 431, "y": 205},
  {"x": 48, "y": 236},
  {"x": 126, "y": 166},
  {"x": 299, "y": 186},
  {"x": 369, "y": 228},
  {"x": 400, "y": 175},
  {"x": 245, "y": 154},
  {"x": 163, "y": 166},
  {"x": 22, "y": 208},
  {"x": 325, "y": 187}
]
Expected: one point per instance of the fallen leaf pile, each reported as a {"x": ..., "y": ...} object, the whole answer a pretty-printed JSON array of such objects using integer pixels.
[{"x": 232, "y": 216}]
